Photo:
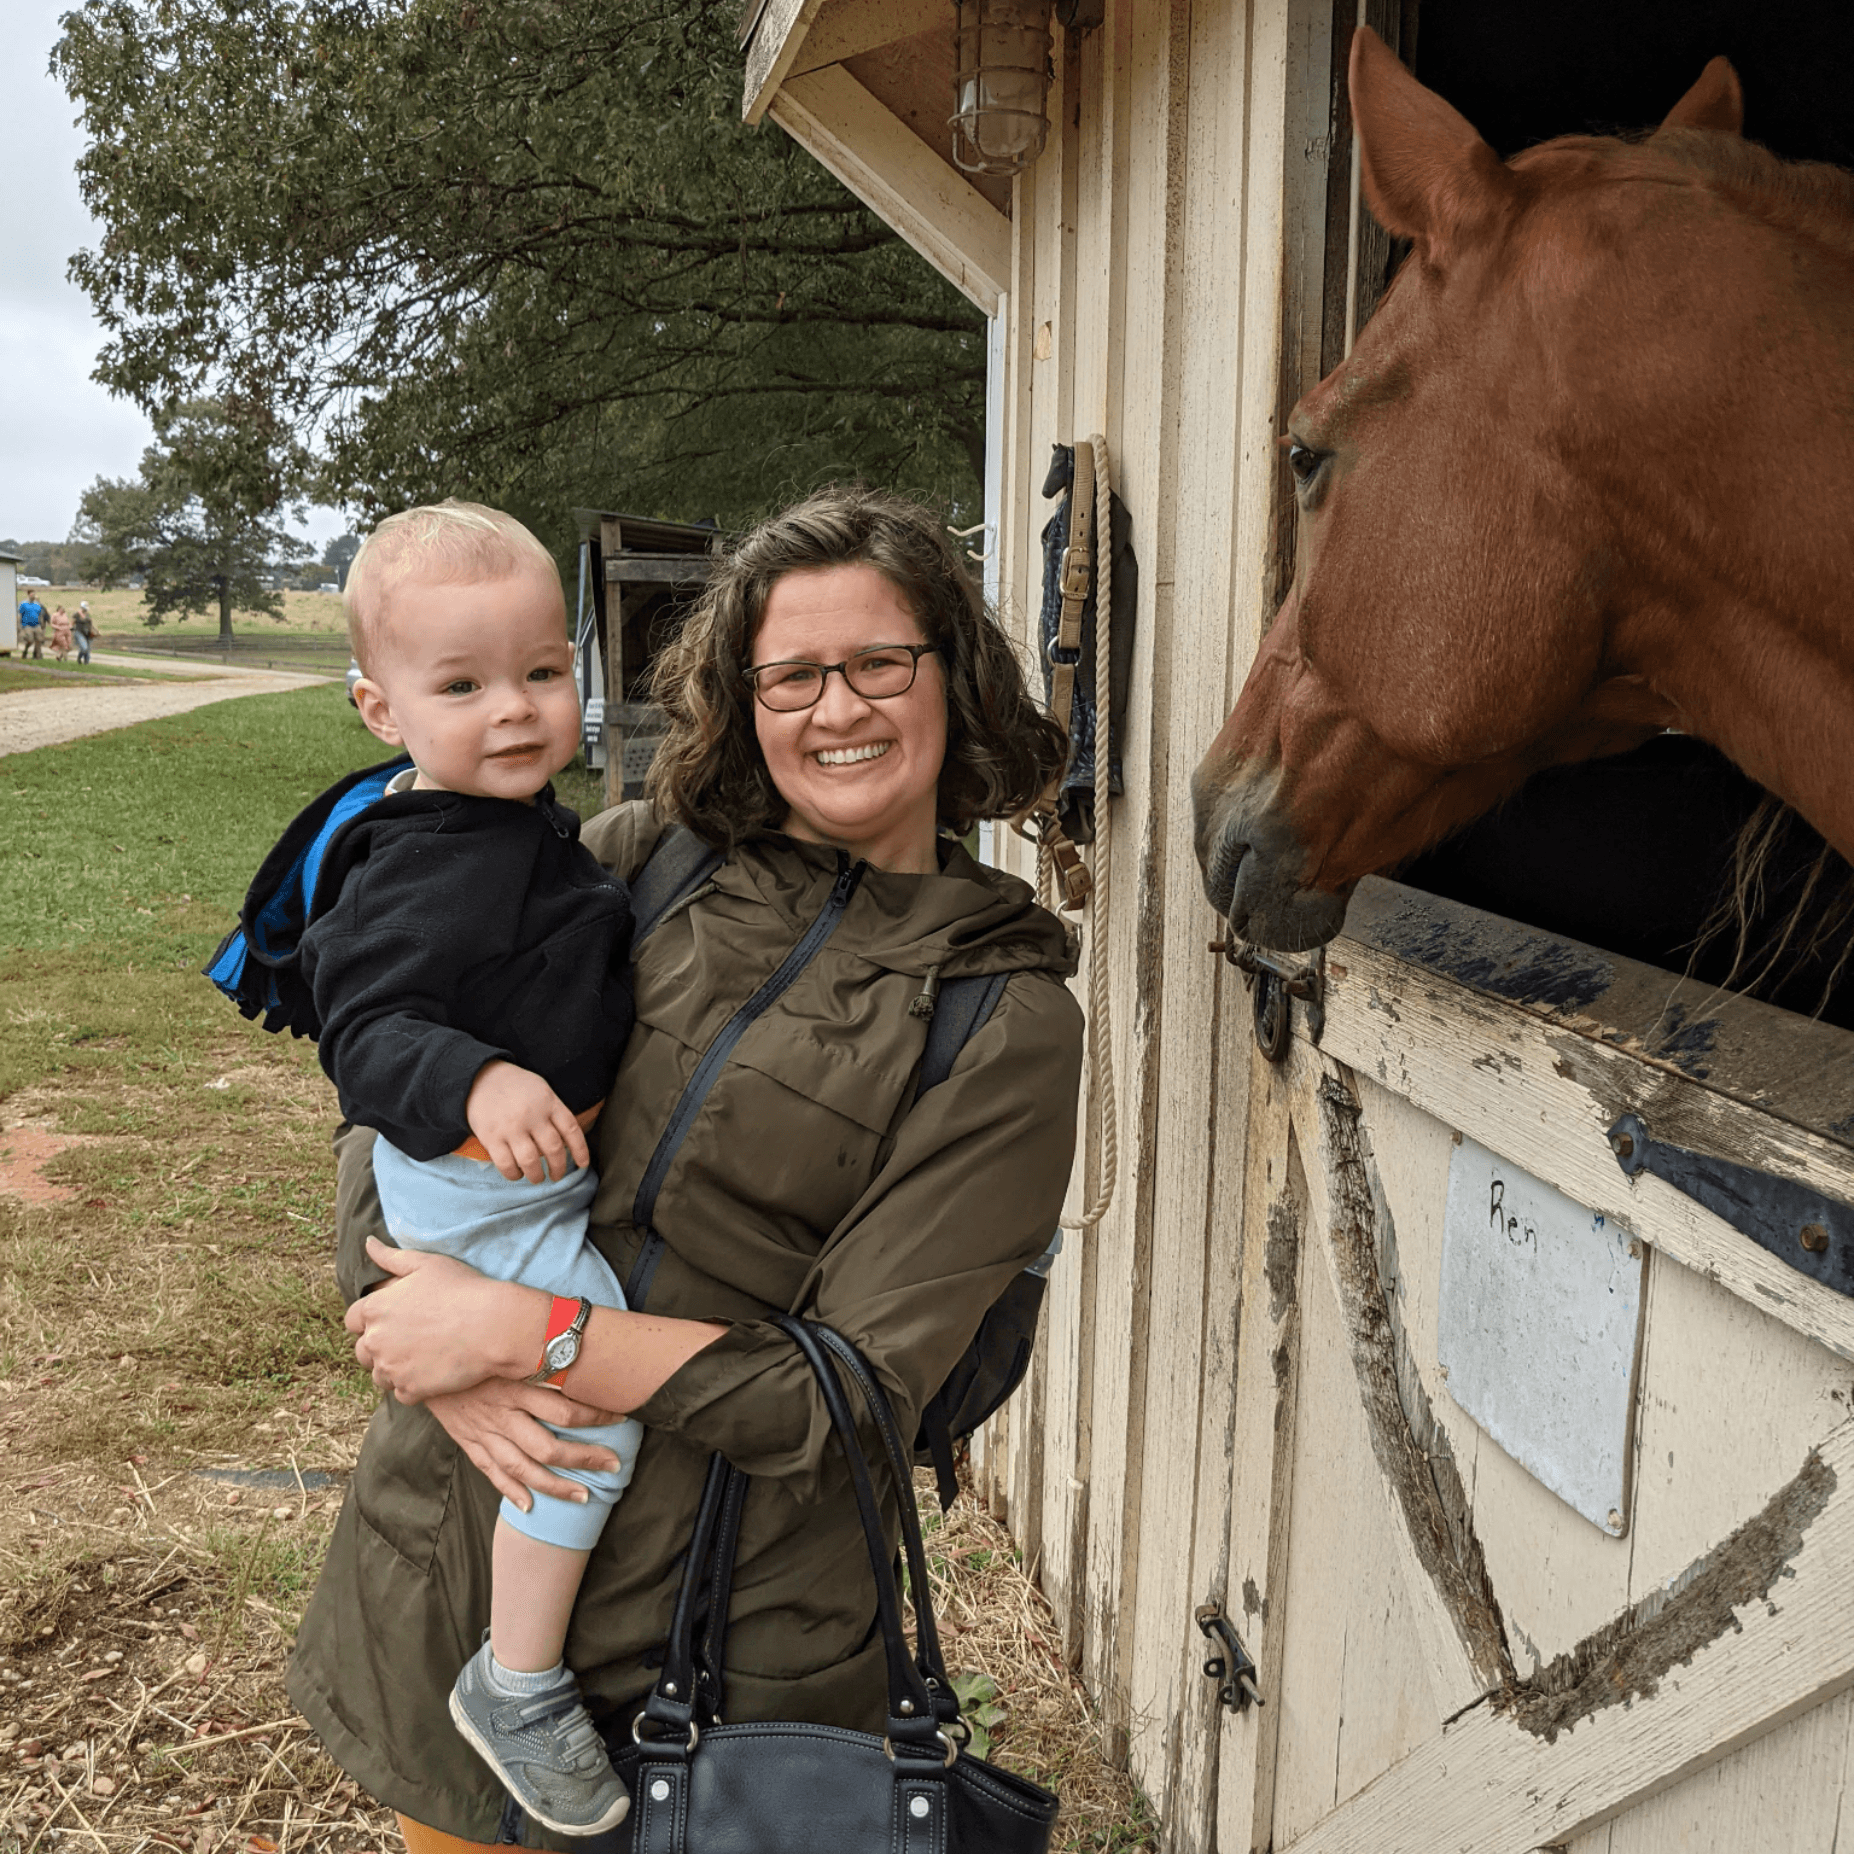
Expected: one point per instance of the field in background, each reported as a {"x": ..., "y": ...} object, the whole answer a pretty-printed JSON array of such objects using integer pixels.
[
  {"x": 312, "y": 634},
  {"x": 178, "y": 1406}
]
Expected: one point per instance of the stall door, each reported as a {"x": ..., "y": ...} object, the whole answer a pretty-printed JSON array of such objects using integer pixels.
[{"x": 1543, "y": 1515}]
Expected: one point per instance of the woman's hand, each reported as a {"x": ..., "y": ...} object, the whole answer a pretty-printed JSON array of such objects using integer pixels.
[
  {"x": 441, "y": 1326},
  {"x": 496, "y": 1423}
]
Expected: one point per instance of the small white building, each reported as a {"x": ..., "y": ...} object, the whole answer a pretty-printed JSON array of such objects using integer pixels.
[{"x": 9, "y": 603}]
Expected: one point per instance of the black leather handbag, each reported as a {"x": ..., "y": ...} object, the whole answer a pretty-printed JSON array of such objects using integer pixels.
[{"x": 699, "y": 1786}]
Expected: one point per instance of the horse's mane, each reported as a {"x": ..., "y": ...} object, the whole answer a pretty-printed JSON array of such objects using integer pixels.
[{"x": 1810, "y": 198}]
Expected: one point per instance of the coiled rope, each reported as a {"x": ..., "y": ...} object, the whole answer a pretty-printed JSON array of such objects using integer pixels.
[{"x": 1100, "y": 1018}]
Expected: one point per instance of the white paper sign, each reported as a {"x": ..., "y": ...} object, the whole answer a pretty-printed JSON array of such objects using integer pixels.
[{"x": 1538, "y": 1322}]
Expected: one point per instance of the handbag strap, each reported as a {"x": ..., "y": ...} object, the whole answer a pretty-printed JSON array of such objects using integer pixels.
[
  {"x": 672, "y": 1701},
  {"x": 914, "y": 1721},
  {"x": 928, "y": 1657},
  {"x": 917, "y": 1694}
]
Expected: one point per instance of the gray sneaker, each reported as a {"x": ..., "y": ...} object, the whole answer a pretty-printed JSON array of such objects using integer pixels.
[{"x": 544, "y": 1749}]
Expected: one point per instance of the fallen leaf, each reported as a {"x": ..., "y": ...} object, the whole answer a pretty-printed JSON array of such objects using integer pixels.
[
  {"x": 99, "y": 1673},
  {"x": 189, "y": 1631},
  {"x": 261, "y": 1844}
]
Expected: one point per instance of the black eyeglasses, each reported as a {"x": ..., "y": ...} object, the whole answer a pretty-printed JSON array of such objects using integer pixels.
[{"x": 876, "y": 674}]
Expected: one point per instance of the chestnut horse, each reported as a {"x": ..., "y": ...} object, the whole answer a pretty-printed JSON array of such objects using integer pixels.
[{"x": 1588, "y": 474}]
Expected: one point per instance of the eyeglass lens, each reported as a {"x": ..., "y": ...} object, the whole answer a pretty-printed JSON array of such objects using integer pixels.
[{"x": 873, "y": 674}]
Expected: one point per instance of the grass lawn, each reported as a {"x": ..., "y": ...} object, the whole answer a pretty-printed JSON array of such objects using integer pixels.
[
  {"x": 119, "y": 612},
  {"x": 36, "y": 675},
  {"x": 179, "y": 1408}
]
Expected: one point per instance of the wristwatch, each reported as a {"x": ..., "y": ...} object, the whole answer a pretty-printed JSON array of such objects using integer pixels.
[{"x": 566, "y": 1328}]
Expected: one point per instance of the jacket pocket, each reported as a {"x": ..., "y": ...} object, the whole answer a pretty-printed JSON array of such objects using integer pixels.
[{"x": 405, "y": 1481}]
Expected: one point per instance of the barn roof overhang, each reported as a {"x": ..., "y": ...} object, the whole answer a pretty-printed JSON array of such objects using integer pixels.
[{"x": 866, "y": 86}]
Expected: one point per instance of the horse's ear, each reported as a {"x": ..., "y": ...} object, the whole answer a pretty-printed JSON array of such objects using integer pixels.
[
  {"x": 1717, "y": 101},
  {"x": 1426, "y": 173}
]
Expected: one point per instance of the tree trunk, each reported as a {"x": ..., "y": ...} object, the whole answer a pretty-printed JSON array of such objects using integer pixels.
[{"x": 225, "y": 610}]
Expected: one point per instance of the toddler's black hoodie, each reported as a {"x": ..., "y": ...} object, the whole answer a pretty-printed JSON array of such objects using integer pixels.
[{"x": 446, "y": 931}]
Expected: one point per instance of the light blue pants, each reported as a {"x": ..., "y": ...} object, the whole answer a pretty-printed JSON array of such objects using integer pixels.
[{"x": 534, "y": 1234}]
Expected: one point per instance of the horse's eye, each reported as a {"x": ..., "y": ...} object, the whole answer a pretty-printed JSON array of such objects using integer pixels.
[{"x": 1304, "y": 462}]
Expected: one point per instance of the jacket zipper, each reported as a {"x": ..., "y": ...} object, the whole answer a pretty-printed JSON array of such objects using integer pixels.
[{"x": 714, "y": 1059}]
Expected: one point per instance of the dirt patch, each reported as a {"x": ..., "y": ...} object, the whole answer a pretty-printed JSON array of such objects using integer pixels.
[{"x": 25, "y": 1150}]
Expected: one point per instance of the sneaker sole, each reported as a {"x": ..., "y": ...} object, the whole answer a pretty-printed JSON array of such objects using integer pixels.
[{"x": 473, "y": 1738}]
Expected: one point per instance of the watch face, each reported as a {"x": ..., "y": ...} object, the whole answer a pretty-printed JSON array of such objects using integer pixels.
[{"x": 562, "y": 1351}]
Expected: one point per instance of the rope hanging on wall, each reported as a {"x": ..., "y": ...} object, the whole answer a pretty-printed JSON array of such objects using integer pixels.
[{"x": 1084, "y": 572}]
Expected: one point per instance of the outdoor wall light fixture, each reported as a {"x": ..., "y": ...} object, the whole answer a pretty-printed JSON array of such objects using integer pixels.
[{"x": 1001, "y": 92}]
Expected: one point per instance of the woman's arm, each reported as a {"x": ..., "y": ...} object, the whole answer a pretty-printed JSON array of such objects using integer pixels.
[
  {"x": 440, "y": 1327},
  {"x": 967, "y": 1198}
]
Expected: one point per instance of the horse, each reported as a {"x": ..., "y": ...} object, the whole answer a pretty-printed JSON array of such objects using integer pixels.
[{"x": 1586, "y": 476}]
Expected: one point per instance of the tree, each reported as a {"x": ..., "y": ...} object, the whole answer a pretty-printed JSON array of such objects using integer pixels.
[
  {"x": 198, "y": 525},
  {"x": 338, "y": 556},
  {"x": 525, "y": 252}
]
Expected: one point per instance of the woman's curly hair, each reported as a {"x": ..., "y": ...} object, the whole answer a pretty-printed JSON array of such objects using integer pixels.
[{"x": 1002, "y": 749}]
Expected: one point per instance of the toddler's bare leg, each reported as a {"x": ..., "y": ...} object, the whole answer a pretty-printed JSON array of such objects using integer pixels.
[{"x": 532, "y": 1599}]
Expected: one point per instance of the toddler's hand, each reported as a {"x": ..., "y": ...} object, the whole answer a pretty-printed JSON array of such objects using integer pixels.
[{"x": 527, "y": 1130}]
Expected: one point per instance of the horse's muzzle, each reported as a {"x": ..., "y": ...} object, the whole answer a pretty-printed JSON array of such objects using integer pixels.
[{"x": 1252, "y": 859}]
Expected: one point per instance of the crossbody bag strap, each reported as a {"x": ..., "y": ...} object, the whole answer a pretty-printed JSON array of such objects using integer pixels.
[{"x": 708, "y": 1072}]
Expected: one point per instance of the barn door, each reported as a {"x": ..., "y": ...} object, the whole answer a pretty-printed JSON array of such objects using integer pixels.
[{"x": 1604, "y": 1597}]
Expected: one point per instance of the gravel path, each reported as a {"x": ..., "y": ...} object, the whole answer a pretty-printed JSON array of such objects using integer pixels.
[{"x": 43, "y": 717}]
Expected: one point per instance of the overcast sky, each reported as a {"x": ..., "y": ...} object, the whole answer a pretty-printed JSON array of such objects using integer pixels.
[{"x": 59, "y": 430}]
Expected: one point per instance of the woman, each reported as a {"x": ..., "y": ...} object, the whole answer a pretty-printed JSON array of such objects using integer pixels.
[
  {"x": 837, "y": 775},
  {"x": 61, "y": 634}
]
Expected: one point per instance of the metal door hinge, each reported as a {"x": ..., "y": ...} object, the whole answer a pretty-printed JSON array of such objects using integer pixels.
[
  {"x": 1231, "y": 1665},
  {"x": 1812, "y": 1233}
]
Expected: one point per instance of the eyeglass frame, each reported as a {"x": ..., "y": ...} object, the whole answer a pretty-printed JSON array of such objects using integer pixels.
[{"x": 750, "y": 675}]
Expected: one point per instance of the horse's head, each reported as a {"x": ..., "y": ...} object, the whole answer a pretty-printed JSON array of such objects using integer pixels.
[{"x": 1446, "y": 631}]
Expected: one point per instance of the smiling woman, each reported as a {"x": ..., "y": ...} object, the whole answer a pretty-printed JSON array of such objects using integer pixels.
[
  {"x": 858, "y": 758},
  {"x": 817, "y": 588}
]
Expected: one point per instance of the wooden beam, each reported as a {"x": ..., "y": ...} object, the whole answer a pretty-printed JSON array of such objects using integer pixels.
[
  {"x": 658, "y": 569},
  {"x": 1542, "y": 1089},
  {"x": 845, "y": 29},
  {"x": 924, "y": 197},
  {"x": 1752, "y": 1635},
  {"x": 772, "y": 50}
]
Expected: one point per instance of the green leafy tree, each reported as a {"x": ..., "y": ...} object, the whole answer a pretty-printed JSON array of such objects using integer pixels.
[
  {"x": 198, "y": 526},
  {"x": 525, "y": 252}
]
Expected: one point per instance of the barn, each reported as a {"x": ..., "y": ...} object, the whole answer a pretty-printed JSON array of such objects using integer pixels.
[{"x": 1474, "y": 1360}]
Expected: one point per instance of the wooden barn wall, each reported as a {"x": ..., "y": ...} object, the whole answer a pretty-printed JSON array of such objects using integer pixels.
[{"x": 1166, "y": 290}]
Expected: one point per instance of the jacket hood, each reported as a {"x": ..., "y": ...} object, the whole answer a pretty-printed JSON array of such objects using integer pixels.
[{"x": 967, "y": 920}]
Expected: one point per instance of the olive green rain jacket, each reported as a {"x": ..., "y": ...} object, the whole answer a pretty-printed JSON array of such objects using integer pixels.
[{"x": 805, "y": 1184}]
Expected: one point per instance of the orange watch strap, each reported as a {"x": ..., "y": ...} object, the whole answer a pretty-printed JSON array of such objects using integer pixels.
[{"x": 560, "y": 1316}]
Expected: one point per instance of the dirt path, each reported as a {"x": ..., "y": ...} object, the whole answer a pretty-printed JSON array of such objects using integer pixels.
[{"x": 44, "y": 717}]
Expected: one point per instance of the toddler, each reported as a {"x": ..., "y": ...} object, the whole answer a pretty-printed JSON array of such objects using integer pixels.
[{"x": 468, "y": 963}]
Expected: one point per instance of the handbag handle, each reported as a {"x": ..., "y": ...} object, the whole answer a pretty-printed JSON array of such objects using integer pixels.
[
  {"x": 920, "y": 1699},
  {"x": 928, "y": 1657},
  {"x": 711, "y": 1652}
]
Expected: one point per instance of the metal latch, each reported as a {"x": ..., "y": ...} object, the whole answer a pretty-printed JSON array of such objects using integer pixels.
[
  {"x": 1272, "y": 982},
  {"x": 1231, "y": 1665},
  {"x": 1812, "y": 1233}
]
